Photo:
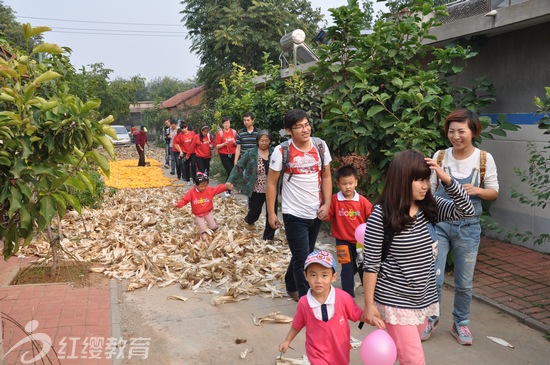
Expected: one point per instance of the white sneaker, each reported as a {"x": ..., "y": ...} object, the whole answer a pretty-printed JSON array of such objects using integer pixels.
[
  {"x": 188, "y": 183},
  {"x": 227, "y": 194}
]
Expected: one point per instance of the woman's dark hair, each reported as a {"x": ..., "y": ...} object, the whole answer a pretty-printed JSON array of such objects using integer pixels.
[
  {"x": 261, "y": 133},
  {"x": 201, "y": 136},
  {"x": 294, "y": 116},
  {"x": 461, "y": 116},
  {"x": 225, "y": 119},
  {"x": 406, "y": 167}
]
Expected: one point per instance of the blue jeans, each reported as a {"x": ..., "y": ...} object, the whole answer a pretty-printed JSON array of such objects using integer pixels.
[
  {"x": 167, "y": 153},
  {"x": 462, "y": 238},
  {"x": 301, "y": 235}
]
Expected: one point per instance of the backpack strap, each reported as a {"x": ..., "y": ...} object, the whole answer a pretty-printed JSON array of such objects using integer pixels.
[
  {"x": 285, "y": 160},
  {"x": 440, "y": 157},
  {"x": 482, "y": 166},
  {"x": 285, "y": 146}
]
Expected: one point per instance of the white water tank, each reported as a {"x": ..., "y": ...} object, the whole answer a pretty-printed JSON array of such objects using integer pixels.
[{"x": 288, "y": 41}]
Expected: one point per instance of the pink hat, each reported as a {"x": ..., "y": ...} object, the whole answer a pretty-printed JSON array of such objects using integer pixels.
[{"x": 322, "y": 258}]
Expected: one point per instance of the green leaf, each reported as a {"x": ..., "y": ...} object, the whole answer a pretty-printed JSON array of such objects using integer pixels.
[
  {"x": 48, "y": 48},
  {"x": 15, "y": 200},
  {"x": 29, "y": 31},
  {"x": 73, "y": 202},
  {"x": 75, "y": 182},
  {"x": 46, "y": 76},
  {"x": 100, "y": 160},
  {"x": 47, "y": 211},
  {"x": 374, "y": 110}
]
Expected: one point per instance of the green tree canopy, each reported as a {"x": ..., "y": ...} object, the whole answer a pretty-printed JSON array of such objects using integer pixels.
[
  {"x": 224, "y": 32},
  {"x": 13, "y": 32}
]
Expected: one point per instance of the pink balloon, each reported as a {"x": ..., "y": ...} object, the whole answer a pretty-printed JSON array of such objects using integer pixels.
[
  {"x": 360, "y": 233},
  {"x": 378, "y": 348}
]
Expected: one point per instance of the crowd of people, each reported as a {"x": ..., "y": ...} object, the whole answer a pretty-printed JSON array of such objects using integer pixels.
[{"x": 428, "y": 208}]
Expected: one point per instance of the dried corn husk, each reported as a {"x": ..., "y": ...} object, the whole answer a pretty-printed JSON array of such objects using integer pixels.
[
  {"x": 274, "y": 317},
  {"x": 289, "y": 361},
  {"x": 139, "y": 236}
]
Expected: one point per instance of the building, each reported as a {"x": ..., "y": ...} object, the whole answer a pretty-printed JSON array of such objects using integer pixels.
[{"x": 178, "y": 103}]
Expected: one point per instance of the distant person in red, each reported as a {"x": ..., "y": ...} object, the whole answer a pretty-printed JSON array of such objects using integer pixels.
[
  {"x": 141, "y": 141},
  {"x": 203, "y": 145},
  {"x": 201, "y": 198}
]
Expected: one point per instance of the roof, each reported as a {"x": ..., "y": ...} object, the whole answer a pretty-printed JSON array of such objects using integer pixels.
[{"x": 182, "y": 97}]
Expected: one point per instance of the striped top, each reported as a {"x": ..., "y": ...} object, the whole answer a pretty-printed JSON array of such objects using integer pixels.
[
  {"x": 407, "y": 278},
  {"x": 246, "y": 139}
]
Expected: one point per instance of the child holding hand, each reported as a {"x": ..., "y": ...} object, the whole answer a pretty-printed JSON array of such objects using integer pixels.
[
  {"x": 347, "y": 211},
  {"x": 325, "y": 312},
  {"x": 201, "y": 199}
]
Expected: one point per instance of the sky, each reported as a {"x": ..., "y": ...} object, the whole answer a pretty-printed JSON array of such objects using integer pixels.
[{"x": 130, "y": 37}]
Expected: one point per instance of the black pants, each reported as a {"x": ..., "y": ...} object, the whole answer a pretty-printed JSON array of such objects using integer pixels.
[
  {"x": 227, "y": 163},
  {"x": 203, "y": 164},
  {"x": 178, "y": 161},
  {"x": 190, "y": 167},
  {"x": 347, "y": 275},
  {"x": 255, "y": 204},
  {"x": 141, "y": 153}
]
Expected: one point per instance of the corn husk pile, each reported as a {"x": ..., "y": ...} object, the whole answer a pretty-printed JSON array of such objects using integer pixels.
[{"x": 140, "y": 236}]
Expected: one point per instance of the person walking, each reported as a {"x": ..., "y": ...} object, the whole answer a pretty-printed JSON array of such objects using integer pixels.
[
  {"x": 348, "y": 209},
  {"x": 401, "y": 247},
  {"x": 226, "y": 147},
  {"x": 246, "y": 137},
  {"x": 187, "y": 156},
  {"x": 306, "y": 194},
  {"x": 477, "y": 172},
  {"x": 254, "y": 166},
  {"x": 203, "y": 143},
  {"x": 141, "y": 141},
  {"x": 167, "y": 150},
  {"x": 173, "y": 132}
]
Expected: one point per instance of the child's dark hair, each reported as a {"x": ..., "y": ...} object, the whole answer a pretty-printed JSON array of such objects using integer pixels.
[
  {"x": 346, "y": 171},
  {"x": 201, "y": 178}
]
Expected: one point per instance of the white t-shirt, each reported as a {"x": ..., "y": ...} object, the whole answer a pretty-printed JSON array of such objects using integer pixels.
[
  {"x": 462, "y": 169},
  {"x": 302, "y": 194}
]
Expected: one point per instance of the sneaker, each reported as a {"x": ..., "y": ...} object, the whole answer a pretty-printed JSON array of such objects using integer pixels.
[
  {"x": 462, "y": 334},
  {"x": 166, "y": 166},
  {"x": 433, "y": 322},
  {"x": 188, "y": 183},
  {"x": 227, "y": 194},
  {"x": 172, "y": 173}
]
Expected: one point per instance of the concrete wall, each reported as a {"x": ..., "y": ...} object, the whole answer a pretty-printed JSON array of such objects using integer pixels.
[{"x": 514, "y": 53}]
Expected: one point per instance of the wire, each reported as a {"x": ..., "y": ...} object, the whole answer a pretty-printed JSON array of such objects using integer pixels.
[
  {"x": 120, "y": 34},
  {"x": 91, "y": 21},
  {"x": 122, "y": 30}
]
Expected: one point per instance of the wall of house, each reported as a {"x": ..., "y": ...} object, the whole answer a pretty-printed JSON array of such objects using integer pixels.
[{"x": 517, "y": 62}]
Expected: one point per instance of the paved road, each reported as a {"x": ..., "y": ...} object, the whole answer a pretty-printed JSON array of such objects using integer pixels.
[{"x": 195, "y": 332}]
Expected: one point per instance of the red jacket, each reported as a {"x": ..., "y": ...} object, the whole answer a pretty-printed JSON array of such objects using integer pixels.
[
  {"x": 203, "y": 149},
  {"x": 201, "y": 202},
  {"x": 346, "y": 215},
  {"x": 229, "y": 137},
  {"x": 141, "y": 138}
]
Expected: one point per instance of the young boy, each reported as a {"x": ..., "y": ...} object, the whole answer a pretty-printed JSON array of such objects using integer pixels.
[
  {"x": 325, "y": 312},
  {"x": 348, "y": 210},
  {"x": 201, "y": 197}
]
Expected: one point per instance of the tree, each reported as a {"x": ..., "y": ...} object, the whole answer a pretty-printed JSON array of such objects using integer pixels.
[
  {"x": 12, "y": 31},
  {"x": 225, "y": 32},
  {"x": 389, "y": 91},
  {"x": 160, "y": 89},
  {"x": 47, "y": 136}
]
